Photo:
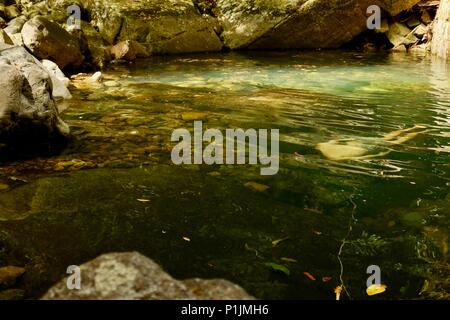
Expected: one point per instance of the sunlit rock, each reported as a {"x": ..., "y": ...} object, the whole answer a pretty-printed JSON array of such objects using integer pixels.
[
  {"x": 59, "y": 80},
  {"x": 440, "y": 44},
  {"x": 163, "y": 26},
  {"x": 27, "y": 109},
  {"x": 274, "y": 24},
  {"x": 47, "y": 40},
  {"x": 132, "y": 276}
]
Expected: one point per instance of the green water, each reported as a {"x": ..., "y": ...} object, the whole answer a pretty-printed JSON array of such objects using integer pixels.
[{"x": 66, "y": 207}]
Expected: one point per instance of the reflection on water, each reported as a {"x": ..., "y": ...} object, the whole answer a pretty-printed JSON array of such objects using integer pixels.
[{"x": 340, "y": 99}]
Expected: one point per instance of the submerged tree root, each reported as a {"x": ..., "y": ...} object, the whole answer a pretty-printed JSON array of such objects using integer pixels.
[{"x": 341, "y": 248}]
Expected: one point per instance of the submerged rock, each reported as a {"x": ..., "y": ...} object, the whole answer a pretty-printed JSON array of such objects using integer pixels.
[
  {"x": 12, "y": 294},
  {"x": 132, "y": 276},
  {"x": 9, "y": 275},
  {"x": 47, "y": 40},
  {"x": 297, "y": 23},
  {"x": 27, "y": 110}
]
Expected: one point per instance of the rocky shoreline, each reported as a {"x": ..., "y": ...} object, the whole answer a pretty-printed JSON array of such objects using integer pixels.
[{"x": 84, "y": 35}]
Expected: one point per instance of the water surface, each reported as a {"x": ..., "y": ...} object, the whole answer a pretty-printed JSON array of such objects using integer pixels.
[{"x": 114, "y": 188}]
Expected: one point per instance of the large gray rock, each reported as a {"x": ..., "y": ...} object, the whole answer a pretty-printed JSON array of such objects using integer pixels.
[
  {"x": 163, "y": 26},
  {"x": 59, "y": 80},
  {"x": 440, "y": 44},
  {"x": 48, "y": 40},
  {"x": 132, "y": 276},
  {"x": 285, "y": 24},
  {"x": 27, "y": 108},
  {"x": 15, "y": 25}
]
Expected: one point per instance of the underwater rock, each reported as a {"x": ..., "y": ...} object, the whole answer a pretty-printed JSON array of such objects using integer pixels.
[
  {"x": 257, "y": 187},
  {"x": 9, "y": 275},
  {"x": 132, "y": 276},
  {"x": 13, "y": 30},
  {"x": 296, "y": 24},
  {"x": 28, "y": 110},
  {"x": 47, "y": 40},
  {"x": 440, "y": 44},
  {"x": 12, "y": 294},
  {"x": 162, "y": 26},
  {"x": 96, "y": 77}
]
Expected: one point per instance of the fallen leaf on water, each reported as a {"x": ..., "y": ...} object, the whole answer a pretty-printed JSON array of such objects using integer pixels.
[
  {"x": 288, "y": 260},
  {"x": 143, "y": 200},
  {"x": 278, "y": 267},
  {"x": 327, "y": 279},
  {"x": 309, "y": 276},
  {"x": 338, "y": 291},
  {"x": 318, "y": 233},
  {"x": 277, "y": 242},
  {"x": 186, "y": 239},
  {"x": 376, "y": 289},
  {"x": 190, "y": 116},
  {"x": 255, "y": 186}
]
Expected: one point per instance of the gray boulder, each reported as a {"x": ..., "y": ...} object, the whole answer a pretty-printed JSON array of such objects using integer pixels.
[
  {"x": 162, "y": 26},
  {"x": 59, "y": 80},
  {"x": 27, "y": 108},
  {"x": 47, "y": 40},
  {"x": 15, "y": 26},
  {"x": 132, "y": 276},
  {"x": 290, "y": 24}
]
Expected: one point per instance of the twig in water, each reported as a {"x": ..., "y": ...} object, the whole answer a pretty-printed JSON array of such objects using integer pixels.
[{"x": 341, "y": 248}]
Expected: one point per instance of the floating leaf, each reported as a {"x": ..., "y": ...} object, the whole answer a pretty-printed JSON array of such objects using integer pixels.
[
  {"x": 277, "y": 242},
  {"x": 376, "y": 289},
  {"x": 278, "y": 267},
  {"x": 143, "y": 200},
  {"x": 309, "y": 276},
  {"x": 255, "y": 186},
  {"x": 338, "y": 291},
  {"x": 288, "y": 260},
  {"x": 327, "y": 279},
  {"x": 186, "y": 239}
]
